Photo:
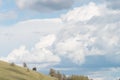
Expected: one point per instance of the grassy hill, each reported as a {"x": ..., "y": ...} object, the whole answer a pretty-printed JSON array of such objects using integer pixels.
[{"x": 8, "y": 72}]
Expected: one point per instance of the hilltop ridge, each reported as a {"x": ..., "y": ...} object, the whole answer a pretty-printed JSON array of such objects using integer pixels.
[{"x": 8, "y": 72}]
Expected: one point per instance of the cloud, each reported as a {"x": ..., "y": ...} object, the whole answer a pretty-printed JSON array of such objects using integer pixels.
[
  {"x": 72, "y": 49},
  {"x": 112, "y": 17},
  {"x": 98, "y": 78},
  {"x": 44, "y": 5},
  {"x": 89, "y": 37},
  {"x": 56, "y": 5},
  {"x": 109, "y": 73},
  {"x": 85, "y": 40},
  {"x": 27, "y": 33},
  {"x": 38, "y": 54},
  {"x": 85, "y": 35},
  {"x": 89, "y": 12},
  {"x": 113, "y": 4},
  {"x": 65, "y": 69},
  {"x": 83, "y": 13},
  {"x": 81, "y": 41},
  {"x": 76, "y": 41},
  {"x": 46, "y": 42}
]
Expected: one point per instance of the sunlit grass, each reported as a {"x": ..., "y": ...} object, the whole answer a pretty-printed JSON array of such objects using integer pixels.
[{"x": 8, "y": 72}]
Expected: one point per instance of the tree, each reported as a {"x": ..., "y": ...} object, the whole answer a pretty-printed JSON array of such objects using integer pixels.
[
  {"x": 64, "y": 77},
  {"x": 59, "y": 75},
  {"x": 24, "y": 64},
  {"x": 52, "y": 73}
]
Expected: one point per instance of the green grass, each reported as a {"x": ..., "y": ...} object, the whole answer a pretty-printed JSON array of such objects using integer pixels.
[{"x": 8, "y": 72}]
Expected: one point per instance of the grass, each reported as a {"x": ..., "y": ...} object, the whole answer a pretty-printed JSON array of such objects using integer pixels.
[{"x": 8, "y": 72}]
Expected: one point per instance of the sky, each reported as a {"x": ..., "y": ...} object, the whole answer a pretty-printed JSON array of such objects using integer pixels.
[{"x": 73, "y": 36}]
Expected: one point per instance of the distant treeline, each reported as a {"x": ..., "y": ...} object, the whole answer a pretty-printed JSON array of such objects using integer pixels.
[{"x": 57, "y": 74}]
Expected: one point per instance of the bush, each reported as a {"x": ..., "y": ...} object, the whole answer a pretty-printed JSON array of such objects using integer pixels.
[
  {"x": 12, "y": 64},
  {"x": 34, "y": 69}
]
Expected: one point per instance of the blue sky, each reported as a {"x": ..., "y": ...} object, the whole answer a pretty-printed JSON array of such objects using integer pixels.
[{"x": 73, "y": 36}]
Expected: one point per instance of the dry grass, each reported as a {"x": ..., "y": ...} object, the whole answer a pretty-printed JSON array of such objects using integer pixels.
[{"x": 8, "y": 72}]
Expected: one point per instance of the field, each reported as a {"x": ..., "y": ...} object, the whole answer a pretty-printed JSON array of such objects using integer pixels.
[{"x": 8, "y": 72}]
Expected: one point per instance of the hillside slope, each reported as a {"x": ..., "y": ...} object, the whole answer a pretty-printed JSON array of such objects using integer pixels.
[{"x": 8, "y": 72}]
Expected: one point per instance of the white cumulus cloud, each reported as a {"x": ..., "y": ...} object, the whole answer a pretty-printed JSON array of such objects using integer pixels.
[
  {"x": 94, "y": 34},
  {"x": 87, "y": 37},
  {"x": 46, "y": 41},
  {"x": 27, "y": 33},
  {"x": 38, "y": 54},
  {"x": 83, "y": 13}
]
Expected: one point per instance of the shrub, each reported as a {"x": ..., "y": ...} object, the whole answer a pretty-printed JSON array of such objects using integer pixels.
[
  {"x": 12, "y": 64},
  {"x": 34, "y": 69}
]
